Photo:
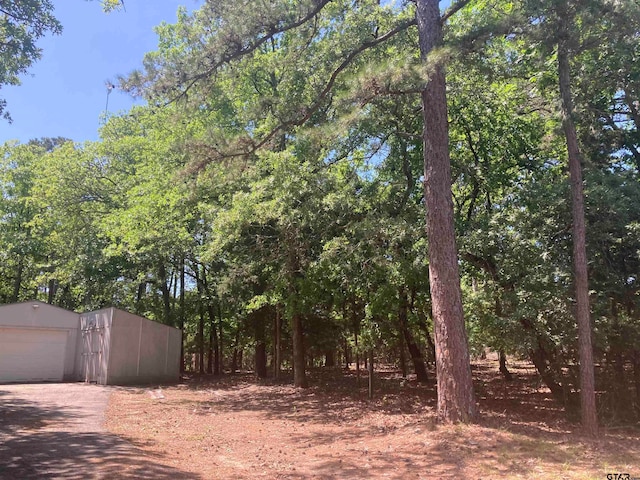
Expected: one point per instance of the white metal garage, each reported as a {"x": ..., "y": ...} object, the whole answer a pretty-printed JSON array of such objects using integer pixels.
[
  {"x": 40, "y": 342},
  {"x": 37, "y": 343}
]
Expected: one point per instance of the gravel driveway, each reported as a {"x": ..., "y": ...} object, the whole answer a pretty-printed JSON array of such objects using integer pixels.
[{"x": 56, "y": 431}]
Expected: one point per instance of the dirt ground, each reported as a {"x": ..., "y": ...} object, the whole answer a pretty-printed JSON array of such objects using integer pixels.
[{"x": 236, "y": 427}]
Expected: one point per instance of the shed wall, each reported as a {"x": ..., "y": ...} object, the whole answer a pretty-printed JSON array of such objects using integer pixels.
[{"x": 142, "y": 351}]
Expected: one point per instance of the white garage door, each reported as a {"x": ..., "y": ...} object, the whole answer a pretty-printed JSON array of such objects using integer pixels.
[{"x": 32, "y": 354}]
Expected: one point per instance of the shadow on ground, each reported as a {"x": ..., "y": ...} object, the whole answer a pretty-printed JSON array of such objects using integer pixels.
[{"x": 35, "y": 444}]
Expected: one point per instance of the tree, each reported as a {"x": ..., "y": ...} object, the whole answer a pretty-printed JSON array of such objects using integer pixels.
[
  {"x": 557, "y": 27},
  {"x": 581, "y": 279},
  {"x": 22, "y": 23},
  {"x": 22, "y": 249},
  {"x": 456, "y": 399}
]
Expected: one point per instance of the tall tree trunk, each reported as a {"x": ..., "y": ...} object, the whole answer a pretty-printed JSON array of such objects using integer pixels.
[
  {"x": 416, "y": 356},
  {"x": 200, "y": 282},
  {"x": 403, "y": 356},
  {"x": 431, "y": 347},
  {"x": 51, "y": 294},
  {"x": 277, "y": 357},
  {"x": 587, "y": 383},
  {"x": 330, "y": 358},
  {"x": 293, "y": 264},
  {"x": 299, "y": 374},
  {"x": 219, "y": 365},
  {"x": 166, "y": 294},
  {"x": 261, "y": 344},
  {"x": 355, "y": 335},
  {"x": 17, "y": 282},
  {"x": 370, "y": 368},
  {"x": 539, "y": 358},
  {"x": 234, "y": 357},
  {"x": 234, "y": 360},
  {"x": 542, "y": 358},
  {"x": 210, "y": 349},
  {"x": 456, "y": 398},
  {"x": 502, "y": 360},
  {"x": 142, "y": 288},
  {"x": 636, "y": 379},
  {"x": 213, "y": 363},
  {"x": 200, "y": 341},
  {"x": 347, "y": 354},
  {"x": 615, "y": 358},
  {"x": 174, "y": 294},
  {"x": 182, "y": 312},
  {"x": 355, "y": 319}
]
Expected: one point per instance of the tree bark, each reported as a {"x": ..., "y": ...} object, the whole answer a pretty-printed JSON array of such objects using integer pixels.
[
  {"x": 416, "y": 356},
  {"x": 200, "y": 341},
  {"x": 502, "y": 359},
  {"x": 347, "y": 355},
  {"x": 182, "y": 312},
  {"x": 330, "y": 358},
  {"x": 355, "y": 336},
  {"x": 210, "y": 349},
  {"x": 370, "y": 368},
  {"x": 615, "y": 359},
  {"x": 51, "y": 294},
  {"x": 213, "y": 365},
  {"x": 219, "y": 366},
  {"x": 166, "y": 294},
  {"x": 299, "y": 374},
  {"x": 456, "y": 398},
  {"x": 403, "y": 356},
  {"x": 277, "y": 362},
  {"x": 142, "y": 287},
  {"x": 538, "y": 356},
  {"x": 261, "y": 344},
  {"x": 636, "y": 380},
  {"x": 431, "y": 347},
  {"x": 17, "y": 282},
  {"x": 542, "y": 358},
  {"x": 234, "y": 357},
  {"x": 587, "y": 383}
]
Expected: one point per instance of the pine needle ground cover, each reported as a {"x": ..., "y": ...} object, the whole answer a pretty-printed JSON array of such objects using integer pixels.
[{"x": 236, "y": 427}]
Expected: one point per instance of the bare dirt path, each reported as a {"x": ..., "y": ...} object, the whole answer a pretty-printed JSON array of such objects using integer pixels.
[
  {"x": 234, "y": 427},
  {"x": 57, "y": 431}
]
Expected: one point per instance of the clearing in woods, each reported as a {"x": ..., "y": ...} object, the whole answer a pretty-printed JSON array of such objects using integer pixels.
[{"x": 237, "y": 427}]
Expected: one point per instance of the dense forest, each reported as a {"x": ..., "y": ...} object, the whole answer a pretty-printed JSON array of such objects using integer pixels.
[{"x": 298, "y": 192}]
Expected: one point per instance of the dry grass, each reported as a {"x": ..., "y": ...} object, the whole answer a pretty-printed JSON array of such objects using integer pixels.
[{"x": 235, "y": 427}]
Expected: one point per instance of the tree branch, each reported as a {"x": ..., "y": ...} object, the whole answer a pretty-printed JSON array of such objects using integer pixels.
[
  {"x": 272, "y": 31},
  {"x": 324, "y": 93},
  {"x": 453, "y": 9}
]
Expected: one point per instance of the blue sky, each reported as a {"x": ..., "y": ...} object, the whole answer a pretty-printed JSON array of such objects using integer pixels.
[{"x": 64, "y": 93}]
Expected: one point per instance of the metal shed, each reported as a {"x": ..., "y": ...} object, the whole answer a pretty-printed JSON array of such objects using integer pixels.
[
  {"x": 119, "y": 348},
  {"x": 37, "y": 343},
  {"x": 43, "y": 343}
]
